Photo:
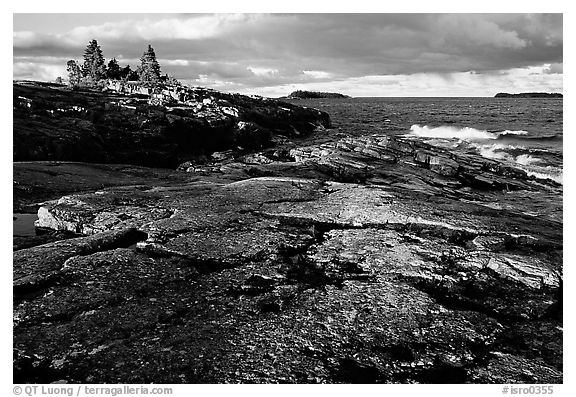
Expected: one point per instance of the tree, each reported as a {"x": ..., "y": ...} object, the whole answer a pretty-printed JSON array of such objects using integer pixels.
[
  {"x": 114, "y": 71},
  {"x": 133, "y": 76},
  {"x": 126, "y": 73},
  {"x": 59, "y": 80},
  {"x": 170, "y": 80},
  {"x": 149, "y": 69},
  {"x": 94, "y": 67},
  {"x": 74, "y": 72}
]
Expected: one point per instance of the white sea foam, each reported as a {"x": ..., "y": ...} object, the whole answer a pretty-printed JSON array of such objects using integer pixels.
[
  {"x": 525, "y": 162},
  {"x": 462, "y": 133},
  {"x": 555, "y": 175},
  {"x": 497, "y": 151},
  {"x": 518, "y": 132},
  {"x": 526, "y": 159},
  {"x": 446, "y": 132},
  {"x": 494, "y": 152}
]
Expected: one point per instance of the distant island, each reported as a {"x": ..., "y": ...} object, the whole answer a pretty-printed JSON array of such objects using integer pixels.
[
  {"x": 314, "y": 94},
  {"x": 528, "y": 95}
]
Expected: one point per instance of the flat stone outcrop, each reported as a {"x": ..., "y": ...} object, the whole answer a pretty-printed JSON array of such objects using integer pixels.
[
  {"x": 38, "y": 266},
  {"x": 297, "y": 279}
]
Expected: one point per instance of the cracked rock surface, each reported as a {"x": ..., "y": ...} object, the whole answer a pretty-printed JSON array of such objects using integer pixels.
[{"x": 365, "y": 260}]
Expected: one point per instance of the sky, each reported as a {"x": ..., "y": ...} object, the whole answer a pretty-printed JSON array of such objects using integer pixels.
[{"x": 274, "y": 54}]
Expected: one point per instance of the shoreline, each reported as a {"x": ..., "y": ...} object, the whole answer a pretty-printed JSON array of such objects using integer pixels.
[{"x": 323, "y": 258}]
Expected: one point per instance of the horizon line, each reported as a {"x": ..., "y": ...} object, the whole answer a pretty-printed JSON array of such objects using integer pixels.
[{"x": 350, "y": 96}]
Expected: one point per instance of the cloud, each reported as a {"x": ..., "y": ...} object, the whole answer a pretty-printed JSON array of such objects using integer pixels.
[
  {"x": 38, "y": 71},
  {"x": 554, "y": 68},
  {"x": 477, "y": 30},
  {"x": 36, "y": 44},
  {"x": 191, "y": 28},
  {"x": 430, "y": 84},
  {"x": 266, "y": 50},
  {"x": 317, "y": 74},
  {"x": 259, "y": 71}
]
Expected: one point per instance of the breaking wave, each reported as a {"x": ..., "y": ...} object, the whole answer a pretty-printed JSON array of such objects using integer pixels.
[
  {"x": 505, "y": 152},
  {"x": 526, "y": 159},
  {"x": 463, "y": 133},
  {"x": 496, "y": 151},
  {"x": 508, "y": 132},
  {"x": 507, "y": 146},
  {"x": 553, "y": 137},
  {"x": 547, "y": 173},
  {"x": 446, "y": 132},
  {"x": 531, "y": 164}
]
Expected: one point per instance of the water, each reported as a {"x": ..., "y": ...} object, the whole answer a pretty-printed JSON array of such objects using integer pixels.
[
  {"x": 24, "y": 225},
  {"x": 524, "y": 132}
]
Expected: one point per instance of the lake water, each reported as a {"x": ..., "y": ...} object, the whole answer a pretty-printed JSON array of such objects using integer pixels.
[
  {"x": 525, "y": 132},
  {"x": 23, "y": 225}
]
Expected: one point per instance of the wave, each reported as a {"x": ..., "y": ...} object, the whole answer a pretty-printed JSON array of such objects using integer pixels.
[
  {"x": 473, "y": 134},
  {"x": 496, "y": 151},
  {"x": 500, "y": 151},
  {"x": 447, "y": 132},
  {"x": 527, "y": 162},
  {"x": 509, "y": 146},
  {"x": 526, "y": 159},
  {"x": 554, "y": 174},
  {"x": 552, "y": 137},
  {"x": 508, "y": 132}
]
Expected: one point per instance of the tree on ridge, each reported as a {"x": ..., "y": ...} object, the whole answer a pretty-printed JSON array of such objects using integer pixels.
[
  {"x": 149, "y": 69},
  {"x": 114, "y": 71},
  {"x": 74, "y": 72},
  {"x": 94, "y": 67}
]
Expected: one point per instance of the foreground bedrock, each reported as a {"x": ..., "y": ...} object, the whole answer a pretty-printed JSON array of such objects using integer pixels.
[{"x": 336, "y": 264}]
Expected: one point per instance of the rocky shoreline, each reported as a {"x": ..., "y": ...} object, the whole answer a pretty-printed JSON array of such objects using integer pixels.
[
  {"x": 372, "y": 259},
  {"x": 160, "y": 126}
]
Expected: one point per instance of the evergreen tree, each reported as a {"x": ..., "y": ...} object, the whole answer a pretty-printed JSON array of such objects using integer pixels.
[
  {"x": 149, "y": 70},
  {"x": 171, "y": 80},
  {"x": 133, "y": 76},
  {"x": 74, "y": 72},
  {"x": 114, "y": 71},
  {"x": 125, "y": 71},
  {"x": 128, "y": 74},
  {"x": 94, "y": 67}
]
